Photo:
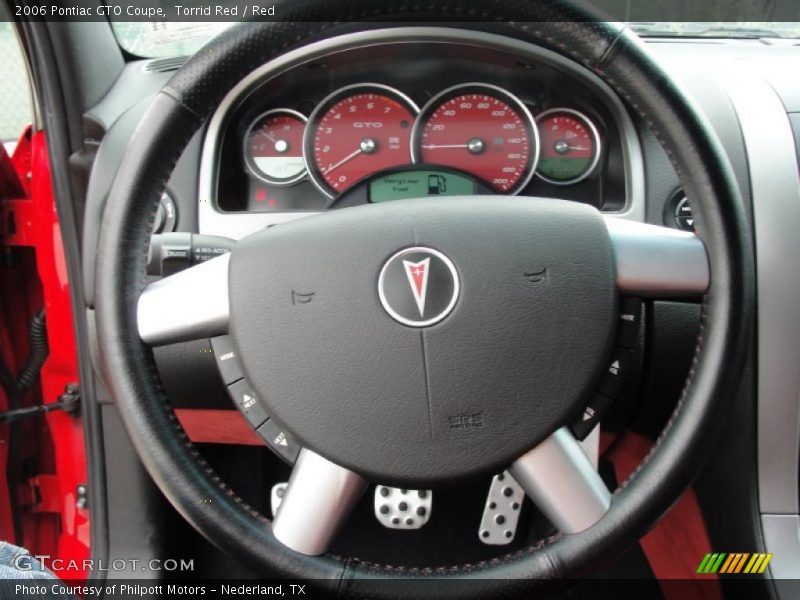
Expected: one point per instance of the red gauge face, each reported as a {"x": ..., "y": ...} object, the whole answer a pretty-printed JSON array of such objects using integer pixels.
[
  {"x": 359, "y": 134},
  {"x": 484, "y": 131},
  {"x": 570, "y": 146},
  {"x": 274, "y": 146}
]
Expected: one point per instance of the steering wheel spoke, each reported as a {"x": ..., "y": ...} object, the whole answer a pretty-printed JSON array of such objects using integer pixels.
[
  {"x": 188, "y": 305},
  {"x": 317, "y": 501},
  {"x": 657, "y": 262},
  {"x": 561, "y": 480}
]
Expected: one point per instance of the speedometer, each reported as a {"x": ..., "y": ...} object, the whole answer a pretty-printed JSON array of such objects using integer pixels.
[
  {"x": 355, "y": 132},
  {"x": 481, "y": 129}
]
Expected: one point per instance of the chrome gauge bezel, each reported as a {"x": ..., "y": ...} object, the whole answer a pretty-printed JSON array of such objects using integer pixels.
[
  {"x": 349, "y": 90},
  {"x": 596, "y": 141},
  {"x": 490, "y": 89},
  {"x": 253, "y": 169}
]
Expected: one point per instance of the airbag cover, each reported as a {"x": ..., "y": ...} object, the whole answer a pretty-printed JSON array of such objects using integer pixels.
[{"x": 512, "y": 360}]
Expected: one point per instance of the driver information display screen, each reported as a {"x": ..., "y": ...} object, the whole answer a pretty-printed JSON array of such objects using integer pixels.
[{"x": 418, "y": 184}]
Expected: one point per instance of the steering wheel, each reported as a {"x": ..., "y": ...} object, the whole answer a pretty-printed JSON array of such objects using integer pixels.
[{"x": 375, "y": 393}]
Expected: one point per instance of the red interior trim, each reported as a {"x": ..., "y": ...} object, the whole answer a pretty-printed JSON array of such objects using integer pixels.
[
  {"x": 210, "y": 426},
  {"x": 677, "y": 544}
]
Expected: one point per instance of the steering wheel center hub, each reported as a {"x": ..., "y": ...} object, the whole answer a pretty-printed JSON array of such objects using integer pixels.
[{"x": 426, "y": 340}]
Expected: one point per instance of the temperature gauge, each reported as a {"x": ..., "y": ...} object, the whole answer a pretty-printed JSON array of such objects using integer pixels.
[
  {"x": 570, "y": 146},
  {"x": 273, "y": 147}
]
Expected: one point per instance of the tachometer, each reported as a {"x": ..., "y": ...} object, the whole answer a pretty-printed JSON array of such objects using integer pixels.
[
  {"x": 570, "y": 146},
  {"x": 481, "y": 129},
  {"x": 273, "y": 146},
  {"x": 355, "y": 132}
]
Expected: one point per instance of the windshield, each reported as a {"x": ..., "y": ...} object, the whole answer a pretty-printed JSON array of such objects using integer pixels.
[
  {"x": 718, "y": 29},
  {"x": 156, "y": 39}
]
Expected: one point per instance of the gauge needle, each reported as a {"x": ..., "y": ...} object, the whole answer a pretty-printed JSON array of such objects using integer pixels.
[
  {"x": 268, "y": 136},
  {"x": 578, "y": 148},
  {"x": 473, "y": 146},
  {"x": 435, "y": 146},
  {"x": 350, "y": 156}
]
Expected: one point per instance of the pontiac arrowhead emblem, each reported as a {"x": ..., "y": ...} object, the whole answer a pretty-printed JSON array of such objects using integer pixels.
[
  {"x": 418, "y": 286},
  {"x": 418, "y": 280}
]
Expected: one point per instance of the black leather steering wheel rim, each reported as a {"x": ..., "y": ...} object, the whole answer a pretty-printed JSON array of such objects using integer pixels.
[{"x": 618, "y": 58}]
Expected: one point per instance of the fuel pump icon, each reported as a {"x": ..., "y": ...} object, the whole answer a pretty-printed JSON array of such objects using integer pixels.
[{"x": 437, "y": 184}]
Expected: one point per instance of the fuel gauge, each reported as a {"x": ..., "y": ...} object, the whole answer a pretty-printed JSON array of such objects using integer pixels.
[
  {"x": 273, "y": 146},
  {"x": 570, "y": 146}
]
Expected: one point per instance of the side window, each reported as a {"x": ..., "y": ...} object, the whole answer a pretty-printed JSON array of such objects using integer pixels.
[{"x": 15, "y": 94}]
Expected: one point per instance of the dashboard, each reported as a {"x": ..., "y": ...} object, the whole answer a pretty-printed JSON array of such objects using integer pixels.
[{"x": 375, "y": 122}]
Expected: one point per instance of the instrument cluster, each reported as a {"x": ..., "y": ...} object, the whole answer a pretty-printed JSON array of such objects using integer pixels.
[{"x": 476, "y": 128}]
